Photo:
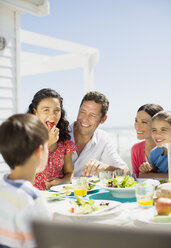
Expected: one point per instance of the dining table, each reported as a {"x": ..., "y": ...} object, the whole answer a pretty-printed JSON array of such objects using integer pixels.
[{"x": 127, "y": 213}]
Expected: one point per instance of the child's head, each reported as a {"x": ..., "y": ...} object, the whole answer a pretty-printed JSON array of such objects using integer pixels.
[
  {"x": 143, "y": 120},
  {"x": 20, "y": 136},
  {"x": 47, "y": 104},
  {"x": 161, "y": 128}
]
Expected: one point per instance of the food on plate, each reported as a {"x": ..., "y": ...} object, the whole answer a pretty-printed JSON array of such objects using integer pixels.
[
  {"x": 164, "y": 190},
  {"x": 80, "y": 206},
  {"x": 163, "y": 206},
  {"x": 70, "y": 187},
  {"x": 50, "y": 196},
  {"x": 126, "y": 182},
  {"x": 90, "y": 186},
  {"x": 66, "y": 187},
  {"x": 94, "y": 180},
  {"x": 163, "y": 181}
]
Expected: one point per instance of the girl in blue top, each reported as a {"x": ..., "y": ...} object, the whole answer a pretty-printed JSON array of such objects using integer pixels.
[{"x": 161, "y": 134}]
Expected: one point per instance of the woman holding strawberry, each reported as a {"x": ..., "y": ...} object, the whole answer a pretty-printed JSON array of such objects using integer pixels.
[{"x": 47, "y": 104}]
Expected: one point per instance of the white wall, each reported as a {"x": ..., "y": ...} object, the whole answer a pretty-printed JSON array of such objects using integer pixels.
[{"x": 9, "y": 60}]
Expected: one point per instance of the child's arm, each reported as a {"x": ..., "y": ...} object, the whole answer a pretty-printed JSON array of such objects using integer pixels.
[
  {"x": 68, "y": 173},
  {"x": 145, "y": 167}
]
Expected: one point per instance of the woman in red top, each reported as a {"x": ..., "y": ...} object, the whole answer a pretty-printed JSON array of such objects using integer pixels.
[
  {"x": 47, "y": 104},
  {"x": 141, "y": 150}
]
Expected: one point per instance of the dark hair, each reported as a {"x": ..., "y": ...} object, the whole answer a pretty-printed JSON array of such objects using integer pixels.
[
  {"x": 163, "y": 115},
  {"x": 63, "y": 123},
  {"x": 21, "y": 135},
  {"x": 150, "y": 109},
  {"x": 98, "y": 98}
]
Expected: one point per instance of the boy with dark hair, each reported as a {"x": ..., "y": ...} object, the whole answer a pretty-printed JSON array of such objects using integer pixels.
[{"x": 24, "y": 147}]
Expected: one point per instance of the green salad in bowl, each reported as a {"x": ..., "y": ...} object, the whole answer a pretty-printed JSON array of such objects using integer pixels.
[
  {"x": 121, "y": 187},
  {"x": 125, "y": 182}
]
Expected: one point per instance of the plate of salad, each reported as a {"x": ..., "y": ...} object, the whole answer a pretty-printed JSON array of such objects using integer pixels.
[
  {"x": 121, "y": 187},
  {"x": 68, "y": 187},
  {"x": 86, "y": 208}
]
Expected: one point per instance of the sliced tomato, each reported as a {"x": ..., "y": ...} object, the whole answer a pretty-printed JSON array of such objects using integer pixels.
[{"x": 72, "y": 210}]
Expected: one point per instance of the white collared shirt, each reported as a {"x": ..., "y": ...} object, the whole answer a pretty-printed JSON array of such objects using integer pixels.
[{"x": 100, "y": 147}]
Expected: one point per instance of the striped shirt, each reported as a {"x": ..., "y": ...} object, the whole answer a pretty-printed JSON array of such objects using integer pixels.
[{"x": 20, "y": 203}]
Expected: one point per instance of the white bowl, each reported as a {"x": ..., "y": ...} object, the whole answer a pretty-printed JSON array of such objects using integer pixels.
[{"x": 122, "y": 192}]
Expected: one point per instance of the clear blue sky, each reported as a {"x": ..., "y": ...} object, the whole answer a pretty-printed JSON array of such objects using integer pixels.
[{"x": 134, "y": 40}]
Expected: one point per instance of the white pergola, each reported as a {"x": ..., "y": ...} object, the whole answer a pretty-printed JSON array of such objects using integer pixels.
[
  {"x": 15, "y": 63},
  {"x": 75, "y": 56}
]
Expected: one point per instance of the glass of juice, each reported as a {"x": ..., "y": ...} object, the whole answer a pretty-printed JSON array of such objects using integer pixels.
[
  {"x": 80, "y": 186},
  {"x": 144, "y": 195}
]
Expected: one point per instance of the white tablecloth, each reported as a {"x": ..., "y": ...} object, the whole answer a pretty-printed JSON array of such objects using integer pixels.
[{"x": 126, "y": 215}]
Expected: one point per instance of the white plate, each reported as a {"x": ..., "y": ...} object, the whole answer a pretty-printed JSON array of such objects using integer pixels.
[
  {"x": 63, "y": 207},
  {"x": 53, "y": 196},
  {"x": 147, "y": 221},
  {"x": 122, "y": 192},
  {"x": 149, "y": 181},
  {"x": 58, "y": 188},
  {"x": 130, "y": 191}
]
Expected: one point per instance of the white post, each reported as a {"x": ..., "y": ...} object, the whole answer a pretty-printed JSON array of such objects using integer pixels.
[
  {"x": 88, "y": 76},
  {"x": 18, "y": 48}
]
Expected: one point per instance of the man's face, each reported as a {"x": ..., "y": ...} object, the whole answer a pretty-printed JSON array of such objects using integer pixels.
[{"x": 89, "y": 117}]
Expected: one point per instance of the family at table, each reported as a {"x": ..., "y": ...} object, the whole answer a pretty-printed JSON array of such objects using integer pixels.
[
  {"x": 82, "y": 149},
  {"x": 43, "y": 150}
]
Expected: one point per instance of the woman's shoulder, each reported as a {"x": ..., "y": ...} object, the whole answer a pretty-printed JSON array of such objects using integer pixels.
[{"x": 138, "y": 145}]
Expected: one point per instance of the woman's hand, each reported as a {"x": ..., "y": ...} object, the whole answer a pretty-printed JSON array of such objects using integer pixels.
[
  {"x": 145, "y": 167},
  {"x": 53, "y": 135},
  {"x": 52, "y": 182}
]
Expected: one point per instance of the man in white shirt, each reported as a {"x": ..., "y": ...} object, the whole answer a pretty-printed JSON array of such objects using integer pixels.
[{"x": 96, "y": 150}]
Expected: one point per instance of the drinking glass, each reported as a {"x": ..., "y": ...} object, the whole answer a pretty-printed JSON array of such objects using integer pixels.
[
  {"x": 80, "y": 186},
  {"x": 119, "y": 173},
  {"x": 105, "y": 176},
  {"x": 144, "y": 194},
  {"x": 168, "y": 146}
]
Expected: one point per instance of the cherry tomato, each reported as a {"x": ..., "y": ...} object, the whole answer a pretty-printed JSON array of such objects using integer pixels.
[{"x": 51, "y": 124}]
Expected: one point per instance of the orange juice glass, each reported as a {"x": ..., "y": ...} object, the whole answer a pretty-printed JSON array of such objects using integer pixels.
[
  {"x": 80, "y": 186},
  {"x": 144, "y": 195}
]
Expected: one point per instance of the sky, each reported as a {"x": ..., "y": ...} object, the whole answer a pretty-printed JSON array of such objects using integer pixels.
[{"x": 134, "y": 41}]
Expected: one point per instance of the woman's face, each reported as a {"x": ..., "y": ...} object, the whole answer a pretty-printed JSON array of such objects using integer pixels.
[
  {"x": 49, "y": 111},
  {"x": 161, "y": 132},
  {"x": 142, "y": 125}
]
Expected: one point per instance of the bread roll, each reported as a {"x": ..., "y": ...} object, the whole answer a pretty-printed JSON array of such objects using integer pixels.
[{"x": 164, "y": 190}]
